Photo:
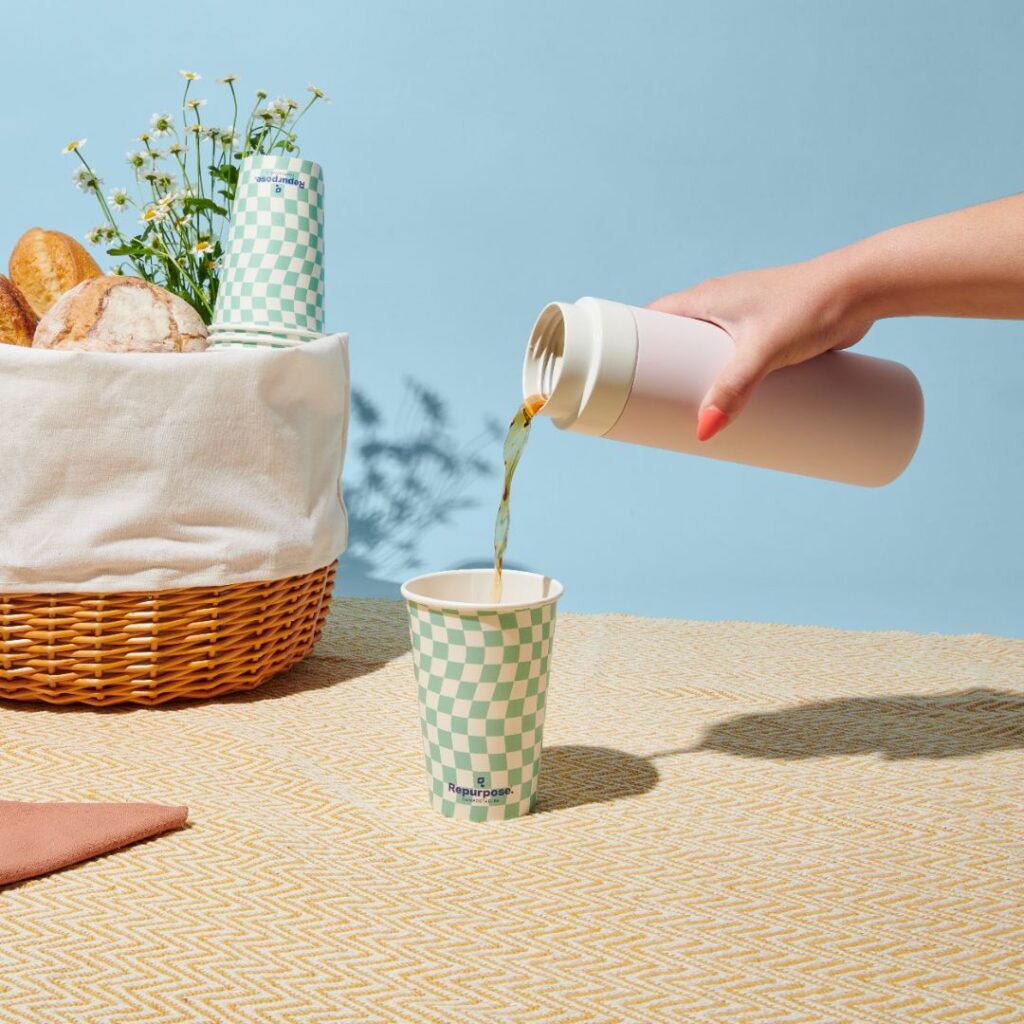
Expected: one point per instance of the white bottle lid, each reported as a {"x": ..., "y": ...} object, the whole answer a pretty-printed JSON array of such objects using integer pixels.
[{"x": 582, "y": 358}]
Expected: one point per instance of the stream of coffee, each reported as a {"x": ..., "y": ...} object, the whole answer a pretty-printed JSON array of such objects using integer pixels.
[{"x": 515, "y": 442}]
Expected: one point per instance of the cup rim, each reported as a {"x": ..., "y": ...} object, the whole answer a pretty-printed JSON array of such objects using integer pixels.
[
  {"x": 251, "y": 328},
  {"x": 556, "y": 590}
]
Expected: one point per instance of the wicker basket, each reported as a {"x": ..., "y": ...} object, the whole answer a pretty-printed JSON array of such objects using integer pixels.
[{"x": 134, "y": 648}]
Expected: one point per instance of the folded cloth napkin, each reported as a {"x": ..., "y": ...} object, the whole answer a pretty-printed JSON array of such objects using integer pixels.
[{"x": 36, "y": 838}]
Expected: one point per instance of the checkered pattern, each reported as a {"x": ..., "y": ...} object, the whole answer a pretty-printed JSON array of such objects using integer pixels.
[
  {"x": 272, "y": 271},
  {"x": 482, "y": 680}
]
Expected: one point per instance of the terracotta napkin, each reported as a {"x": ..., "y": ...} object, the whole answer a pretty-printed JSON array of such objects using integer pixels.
[{"x": 36, "y": 838}]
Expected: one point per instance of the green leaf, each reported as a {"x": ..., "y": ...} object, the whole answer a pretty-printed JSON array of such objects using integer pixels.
[
  {"x": 227, "y": 173},
  {"x": 129, "y": 249},
  {"x": 193, "y": 203}
]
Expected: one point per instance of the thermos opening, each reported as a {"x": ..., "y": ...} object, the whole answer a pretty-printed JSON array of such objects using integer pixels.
[
  {"x": 581, "y": 359},
  {"x": 545, "y": 353}
]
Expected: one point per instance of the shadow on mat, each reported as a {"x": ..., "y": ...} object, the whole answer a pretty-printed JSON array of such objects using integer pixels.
[
  {"x": 898, "y": 727},
  {"x": 572, "y": 776}
]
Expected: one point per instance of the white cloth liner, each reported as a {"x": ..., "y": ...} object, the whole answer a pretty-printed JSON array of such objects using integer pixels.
[{"x": 146, "y": 472}]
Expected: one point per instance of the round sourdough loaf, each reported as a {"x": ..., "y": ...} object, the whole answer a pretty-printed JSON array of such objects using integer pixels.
[
  {"x": 45, "y": 264},
  {"x": 121, "y": 314}
]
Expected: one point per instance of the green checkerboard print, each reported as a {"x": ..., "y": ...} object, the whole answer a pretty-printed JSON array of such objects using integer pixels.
[
  {"x": 272, "y": 269},
  {"x": 482, "y": 681}
]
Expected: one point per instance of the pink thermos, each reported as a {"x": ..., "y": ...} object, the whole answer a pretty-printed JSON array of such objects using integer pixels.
[{"x": 638, "y": 375}]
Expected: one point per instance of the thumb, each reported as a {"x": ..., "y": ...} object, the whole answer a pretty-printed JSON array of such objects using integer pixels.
[
  {"x": 685, "y": 303},
  {"x": 730, "y": 392}
]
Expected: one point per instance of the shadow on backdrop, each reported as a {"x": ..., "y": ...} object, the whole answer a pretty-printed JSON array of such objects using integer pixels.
[
  {"x": 898, "y": 727},
  {"x": 406, "y": 474}
]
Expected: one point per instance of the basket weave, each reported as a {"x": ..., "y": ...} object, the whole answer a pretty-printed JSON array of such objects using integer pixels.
[{"x": 138, "y": 648}]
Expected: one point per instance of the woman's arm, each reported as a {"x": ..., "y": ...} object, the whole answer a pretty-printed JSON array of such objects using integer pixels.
[{"x": 966, "y": 263}]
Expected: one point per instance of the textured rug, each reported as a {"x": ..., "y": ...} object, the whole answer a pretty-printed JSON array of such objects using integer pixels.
[{"x": 737, "y": 823}]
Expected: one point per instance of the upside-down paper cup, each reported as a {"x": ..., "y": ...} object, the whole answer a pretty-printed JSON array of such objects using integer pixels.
[
  {"x": 482, "y": 674},
  {"x": 272, "y": 273}
]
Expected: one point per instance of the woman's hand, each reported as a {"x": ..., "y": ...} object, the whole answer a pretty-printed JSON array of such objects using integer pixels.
[
  {"x": 966, "y": 263},
  {"x": 776, "y": 317}
]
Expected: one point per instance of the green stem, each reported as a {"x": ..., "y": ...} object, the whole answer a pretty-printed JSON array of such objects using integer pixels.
[
  {"x": 302, "y": 113},
  {"x": 248, "y": 127},
  {"x": 234, "y": 103},
  {"x": 105, "y": 207},
  {"x": 200, "y": 297}
]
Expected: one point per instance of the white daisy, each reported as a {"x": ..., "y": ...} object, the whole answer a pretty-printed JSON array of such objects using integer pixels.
[
  {"x": 104, "y": 233},
  {"x": 118, "y": 199},
  {"x": 153, "y": 214},
  {"x": 135, "y": 159},
  {"x": 227, "y": 79},
  {"x": 195, "y": 104},
  {"x": 85, "y": 179},
  {"x": 161, "y": 124},
  {"x": 190, "y": 76},
  {"x": 228, "y": 137},
  {"x": 280, "y": 108},
  {"x": 201, "y": 246},
  {"x": 74, "y": 146},
  {"x": 318, "y": 93}
]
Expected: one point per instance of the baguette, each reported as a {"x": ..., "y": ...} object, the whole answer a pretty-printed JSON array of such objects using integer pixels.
[
  {"x": 17, "y": 321},
  {"x": 45, "y": 264}
]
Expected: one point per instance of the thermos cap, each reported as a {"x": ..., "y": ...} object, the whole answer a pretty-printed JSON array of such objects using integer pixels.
[{"x": 581, "y": 357}]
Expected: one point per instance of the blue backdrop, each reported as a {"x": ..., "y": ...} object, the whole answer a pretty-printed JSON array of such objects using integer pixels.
[{"x": 483, "y": 158}]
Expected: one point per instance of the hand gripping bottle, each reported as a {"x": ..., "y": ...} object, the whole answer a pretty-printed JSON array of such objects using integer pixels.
[{"x": 638, "y": 375}]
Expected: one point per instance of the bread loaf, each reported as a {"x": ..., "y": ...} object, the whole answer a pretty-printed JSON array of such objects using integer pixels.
[
  {"x": 121, "y": 314},
  {"x": 17, "y": 321},
  {"x": 45, "y": 264}
]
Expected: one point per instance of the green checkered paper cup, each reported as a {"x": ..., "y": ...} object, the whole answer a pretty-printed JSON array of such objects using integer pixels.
[
  {"x": 482, "y": 679},
  {"x": 272, "y": 272}
]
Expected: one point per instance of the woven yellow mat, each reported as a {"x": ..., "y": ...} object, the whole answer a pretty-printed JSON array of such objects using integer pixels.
[{"x": 738, "y": 823}]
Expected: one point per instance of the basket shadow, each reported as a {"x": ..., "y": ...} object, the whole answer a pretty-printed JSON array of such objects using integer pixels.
[
  {"x": 898, "y": 727},
  {"x": 360, "y": 637},
  {"x": 571, "y": 776}
]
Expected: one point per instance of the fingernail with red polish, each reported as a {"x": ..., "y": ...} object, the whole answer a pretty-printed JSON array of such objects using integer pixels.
[{"x": 710, "y": 422}]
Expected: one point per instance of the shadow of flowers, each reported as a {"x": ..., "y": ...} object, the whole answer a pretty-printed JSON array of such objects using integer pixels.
[
  {"x": 407, "y": 473},
  {"x": 898, "y": 726}
]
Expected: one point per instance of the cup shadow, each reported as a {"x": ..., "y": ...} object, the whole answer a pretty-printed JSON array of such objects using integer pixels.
[
  {"x": 571, "y": 776},
  {"x": 898, "y": 727}
]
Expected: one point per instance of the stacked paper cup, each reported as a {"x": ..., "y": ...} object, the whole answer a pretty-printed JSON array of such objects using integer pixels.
[{"x": 271, "y": 292}]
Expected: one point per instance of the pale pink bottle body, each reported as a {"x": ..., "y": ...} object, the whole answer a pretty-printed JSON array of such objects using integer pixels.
[{"x": 639, "y": 376}]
